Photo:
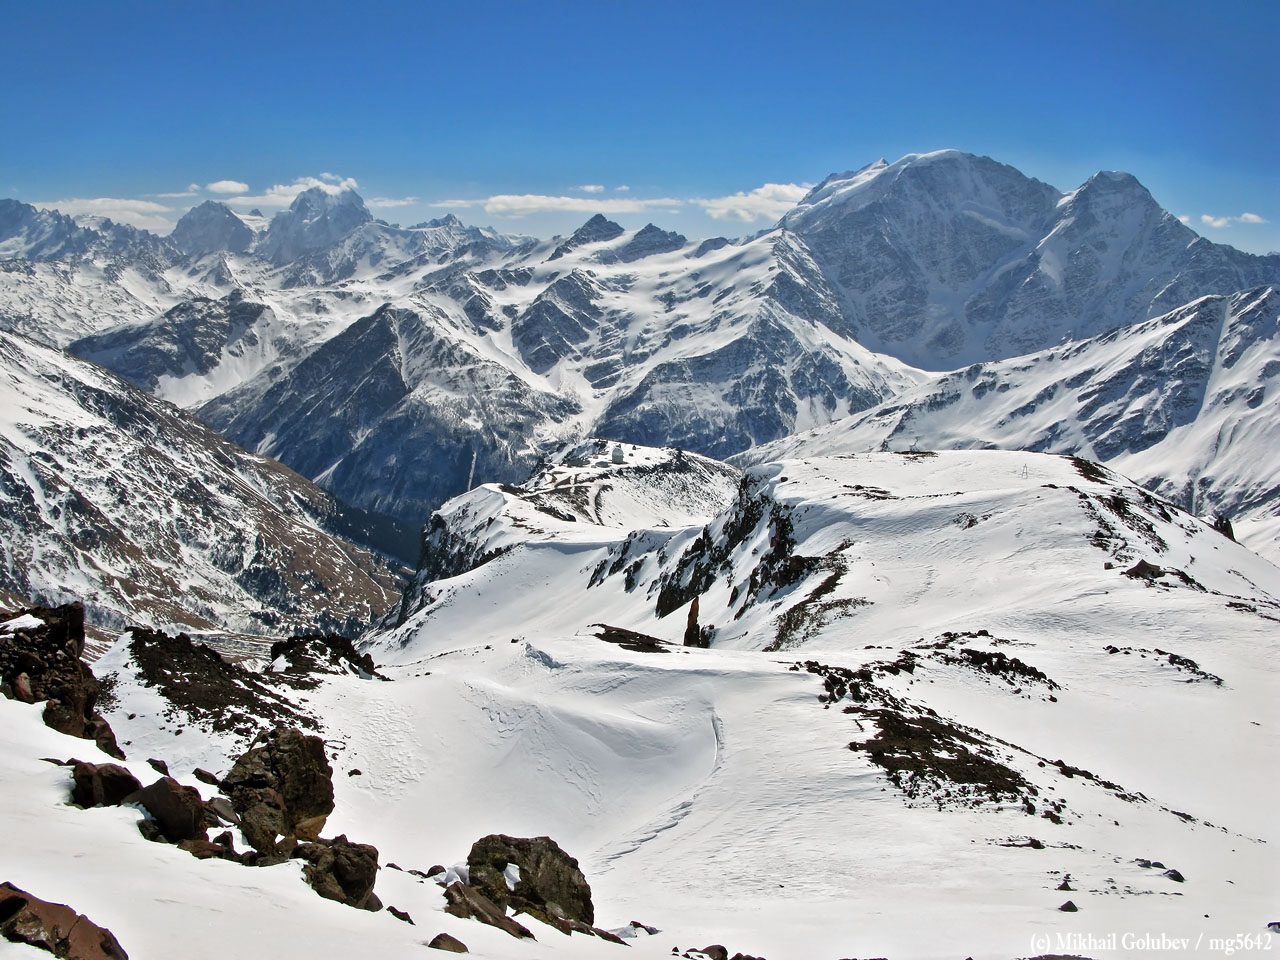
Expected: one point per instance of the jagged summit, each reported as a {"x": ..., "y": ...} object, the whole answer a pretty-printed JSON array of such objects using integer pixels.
[
  {"x": 209, "y": 228},
  {"x": 317, "y": 218},
  {"x": 596, "y": 230}
]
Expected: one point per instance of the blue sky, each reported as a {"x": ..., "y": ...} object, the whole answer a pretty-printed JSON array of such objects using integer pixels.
[{"x": 520, "y": 110}]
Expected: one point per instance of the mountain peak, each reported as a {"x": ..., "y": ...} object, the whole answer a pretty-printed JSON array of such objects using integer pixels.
[
  {"x": 596, "y": 230},
  {"x": 209, "y": 228},
  {"x": 318, "y": 218}
]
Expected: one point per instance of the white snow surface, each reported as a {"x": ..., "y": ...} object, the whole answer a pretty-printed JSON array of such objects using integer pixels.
[{"x": 711, "y": 792}]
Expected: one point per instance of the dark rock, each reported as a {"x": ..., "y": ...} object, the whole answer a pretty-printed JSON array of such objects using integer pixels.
[
  {"x": 43, "y": 663},
  {"x": 203, "y": 849},
  {"x": 354, "y": 772},
  {"x": 716, "y": 952},
  {"x": 1068, "y": 907},
  {"x": 204, "y": 776},
  {"x": 221, "y": 808},
  {"x": 159, "y": 766},
  {"x": 281, "y": 786},
  {"x": 470, "y": 904},
  {"x": 54, "y": 927},
  {"x": 102, "y": 784},
  {"x": 340, "y": 870},
  {"x": 652, "y": 931},
  {"x": 442, "y": 941},
  {"x": 549, "y": 882},
  {"x": 1065, "y": 885},
  {"x": 178, "y": 810},
  {"x": 692, "y": 633},
  {"x": 1175, "y": 876},
  {"x": 401, "y": 915},
  {"x": 22, "y": 689}
]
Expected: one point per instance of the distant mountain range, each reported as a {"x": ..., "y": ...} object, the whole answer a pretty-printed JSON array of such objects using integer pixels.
[{"x": 396, "y": 367}]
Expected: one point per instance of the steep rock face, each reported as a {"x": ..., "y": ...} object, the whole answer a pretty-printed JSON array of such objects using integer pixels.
[
  {"x": 315, "y": 220},
  {"x": 154, "y": 518},
  {"x": 189, "y": 341},
  {"x": 210, "y": 228},
  {"x": 946, "y": 258},
  {"x": 395, "y": 414}
]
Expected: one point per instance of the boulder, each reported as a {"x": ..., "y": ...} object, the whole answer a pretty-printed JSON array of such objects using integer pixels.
[
  {"x": 281, "y": 786},
  {"x": 442, "y": 941},
  {"x": 340, "y": 870},
  {"x": 178, "y": 810},
  {"x": 546, "y": 880},
  {"x": 470, "y": 904},
  {"x": 1069, "y": 907},
  {"x": 101, "y": 784},
  {"x": 54, "y": 927}
]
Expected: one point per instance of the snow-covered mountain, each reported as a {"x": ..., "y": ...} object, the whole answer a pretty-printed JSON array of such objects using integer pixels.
[
  {"x": 210, "y": 228},
  {"x": 1184, "y": 403},
  {"x": 936, "y": 260},
  {"x": 120, "y": 500},
  {"x": 973, "y": 686},
  {"x": 946, "y": 259}
]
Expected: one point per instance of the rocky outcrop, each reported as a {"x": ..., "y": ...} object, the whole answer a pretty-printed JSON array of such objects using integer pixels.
[
  {"x": 178, "y": 810},
  {"x": 533, "y": 875},
  {"x": 281, "y": 787},
  {"x": 340, "y": 870},
  {"x": 40, "y": 652},
  {"x": 101, "y": 784},
  {"x": 54, "y": 927}
]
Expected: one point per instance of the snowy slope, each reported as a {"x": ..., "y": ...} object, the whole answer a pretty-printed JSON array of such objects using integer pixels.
[
  {"x": 121, "y": 500},
  {"x": 1184, "y": 403},
  {"x": 980, "y": 628}
]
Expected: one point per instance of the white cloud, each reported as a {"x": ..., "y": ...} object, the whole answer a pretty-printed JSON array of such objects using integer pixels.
[
  {"x": 1184, "y": 218},
  {"x": 767, "y": 202},
  {"x": 1220, "y": 222},
  {"x": 281, "y": 195},
  {"x": 455, "y": 204},
  {"x": 524, "y": 204},
  {"x": 590, "y": 188},
  {"x": 382, "y": 202},
  {"x": 622, "y": 188},
  {"x": 192, "y": 190},
  {"x": 227, "y": 186},
  {"x": 145, "y": 214}
]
